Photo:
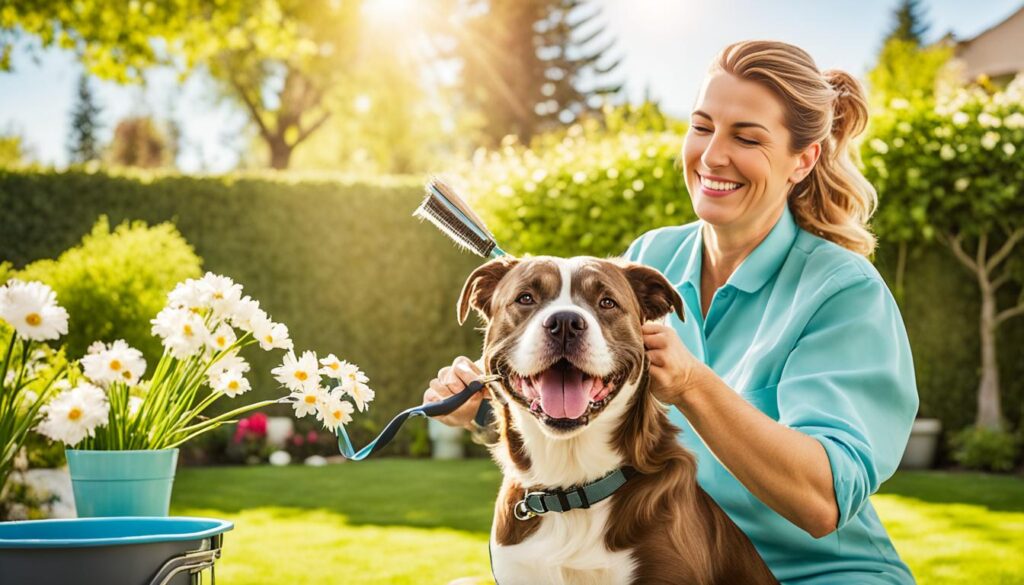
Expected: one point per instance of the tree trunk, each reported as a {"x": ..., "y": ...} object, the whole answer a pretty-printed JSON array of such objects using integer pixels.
[
  {"x": 280, "y": 154},
  {"x": 989, "y": 409}
]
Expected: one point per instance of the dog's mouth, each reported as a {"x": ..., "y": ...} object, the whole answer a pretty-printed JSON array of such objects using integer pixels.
[{"x": 563, "y": 396}]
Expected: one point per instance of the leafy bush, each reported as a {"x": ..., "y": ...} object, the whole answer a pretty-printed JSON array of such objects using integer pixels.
[
  {"x": 341, "y": 262},
  {"x": 113, "y": 283},
  {"x": 588, "y": 192},
  {"x": 987, "y": 449}
]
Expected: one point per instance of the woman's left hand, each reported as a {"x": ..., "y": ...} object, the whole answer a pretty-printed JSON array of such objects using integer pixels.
[{"x": 673, "y": 367}]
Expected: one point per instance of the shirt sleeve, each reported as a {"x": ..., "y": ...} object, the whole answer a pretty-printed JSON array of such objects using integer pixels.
[{"x": 849, "y": 383}]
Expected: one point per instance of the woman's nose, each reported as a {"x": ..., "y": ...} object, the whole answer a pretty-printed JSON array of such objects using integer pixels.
[{"x": 715, "y": 154}]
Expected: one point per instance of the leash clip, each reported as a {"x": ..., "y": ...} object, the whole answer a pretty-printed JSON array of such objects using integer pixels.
[{"x": 523, "y": 511}]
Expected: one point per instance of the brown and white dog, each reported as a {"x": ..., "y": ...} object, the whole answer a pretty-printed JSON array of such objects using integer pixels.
[{"x": 565, "y": 337}]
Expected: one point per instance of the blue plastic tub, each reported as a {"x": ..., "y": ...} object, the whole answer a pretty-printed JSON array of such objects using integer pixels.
[{"x": 110, "y": 551}]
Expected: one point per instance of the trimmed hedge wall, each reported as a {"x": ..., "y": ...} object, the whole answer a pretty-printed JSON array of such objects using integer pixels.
[
  {"x": 343, "y": 264},
  {"x": 349, "y": 271}
]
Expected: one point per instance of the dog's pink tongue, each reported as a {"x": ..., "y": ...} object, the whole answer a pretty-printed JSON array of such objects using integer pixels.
[{"x": 562, "y": 393}]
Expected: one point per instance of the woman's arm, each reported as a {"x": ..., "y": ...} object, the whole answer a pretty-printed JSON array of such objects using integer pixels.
[{"x": 784, "y": 468}]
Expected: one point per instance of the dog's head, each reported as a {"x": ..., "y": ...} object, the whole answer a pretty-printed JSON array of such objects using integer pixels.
[{"x": 565, "y": 334}]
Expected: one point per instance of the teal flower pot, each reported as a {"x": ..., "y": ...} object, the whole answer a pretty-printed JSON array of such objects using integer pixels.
[{"x": 122, "y": 483}]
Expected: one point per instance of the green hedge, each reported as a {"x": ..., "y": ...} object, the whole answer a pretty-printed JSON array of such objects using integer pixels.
[
  {"x": 579, "y": 196},
  {"x": 343, "y": 264},
  {"x": 349, "y": 271}
]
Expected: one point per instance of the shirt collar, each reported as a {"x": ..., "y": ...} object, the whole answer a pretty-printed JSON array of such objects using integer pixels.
[{"x": 759, "y": 266}]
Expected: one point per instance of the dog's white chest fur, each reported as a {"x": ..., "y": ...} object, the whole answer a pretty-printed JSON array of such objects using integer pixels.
[{"x": 567, "y": 549}]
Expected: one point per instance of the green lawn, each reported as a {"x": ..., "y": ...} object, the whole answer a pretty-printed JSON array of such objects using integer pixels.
[{"x": 417, "y": 521}]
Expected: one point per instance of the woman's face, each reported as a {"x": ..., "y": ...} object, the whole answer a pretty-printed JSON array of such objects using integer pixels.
[{"x": 737, "y": 159}]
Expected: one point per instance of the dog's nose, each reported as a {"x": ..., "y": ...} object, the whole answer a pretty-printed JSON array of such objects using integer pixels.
[{"x": 565, "y": 325}]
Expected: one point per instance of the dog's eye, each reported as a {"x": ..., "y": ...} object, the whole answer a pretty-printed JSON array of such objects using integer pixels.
[
  {"x": 607, "y": 303},
  {"x": 525, "y": 299}
]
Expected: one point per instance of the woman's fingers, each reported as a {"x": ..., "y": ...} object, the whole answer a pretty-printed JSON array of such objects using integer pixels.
[
  {"x": 655, "y": 341},
  {"x": 655, "y": 358},
  {"x": 465, "y": 361}
]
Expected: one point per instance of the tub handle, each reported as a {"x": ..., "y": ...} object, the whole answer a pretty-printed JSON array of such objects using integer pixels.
[{"x": 192, "y": 561}]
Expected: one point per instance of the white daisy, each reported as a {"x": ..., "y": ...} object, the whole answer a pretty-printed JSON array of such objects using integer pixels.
[
  {"x": 331, "y": 366},
  {"x": 75, "y": 414},
  {"x": 32, "y": 309},
  {"x": 334, "y": 412},
  {"x": 191, "y": 295},
  {"x": 231, "y": 384},
  {"x": 134, "y": 404},
  {"x": 182, "y": 331},
  {"x": 306, "y": 400},
  {"x": 116, "y": 362},
  {"x": 221, "y": 338},
  {"x": 350, "y": 375},
  {"x": 247, "y": 312},
  {"x": 229, "y": 361},
  {"x": 361, "y": 394},
  {"x": 271, "y": 335},
  {"x": 224, "y": 294},
  {"x": 297, "y": 374}
]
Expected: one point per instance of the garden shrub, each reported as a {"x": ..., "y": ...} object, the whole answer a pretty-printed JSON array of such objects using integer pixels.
[
  {"x": 986, "y": 449},
  {"x": 114, "y": 282}
]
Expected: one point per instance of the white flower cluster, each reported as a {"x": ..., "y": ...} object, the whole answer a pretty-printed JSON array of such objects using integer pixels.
[
  {"x": 32, "y": 309},
  {"x": 201, "y": 313},
  {"x": 302, "y": 376},
  {"x": 74, "y": 414},
  {"x": 116, "y": 362}
]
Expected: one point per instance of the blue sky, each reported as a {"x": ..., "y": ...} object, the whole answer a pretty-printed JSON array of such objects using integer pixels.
[{"x": 666, "y": 46}]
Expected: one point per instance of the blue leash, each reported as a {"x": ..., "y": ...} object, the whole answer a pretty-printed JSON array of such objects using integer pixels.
[{"x": 446, "y": 406}]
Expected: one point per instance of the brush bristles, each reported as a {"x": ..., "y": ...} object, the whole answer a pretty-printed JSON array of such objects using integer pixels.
[{"x": 453, "y": 226}]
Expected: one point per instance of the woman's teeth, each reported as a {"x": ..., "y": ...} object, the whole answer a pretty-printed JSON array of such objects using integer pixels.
[{"x": 719, "y": 185}]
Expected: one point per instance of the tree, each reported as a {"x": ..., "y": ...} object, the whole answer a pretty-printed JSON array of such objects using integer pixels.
[
  {"x": 12, "y": 150},
  {"x": 531, "y": 65},
  {"x": 276, "y": 58},
  {"x": 910, "y": 24},
  {"x": 83, "y": 145},
  {"x": 953, "y": 172},
  {"x": 139, "y": 142},
  {"x": 907, "y": 72}
]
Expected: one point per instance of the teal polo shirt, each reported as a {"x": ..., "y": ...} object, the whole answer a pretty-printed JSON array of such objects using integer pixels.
[{"x": 809, "y": 334}]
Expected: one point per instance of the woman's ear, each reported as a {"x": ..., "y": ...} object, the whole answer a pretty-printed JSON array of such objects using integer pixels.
[
  {"x": 805, "y": 163},
  {"x": 479, "y": 287}
]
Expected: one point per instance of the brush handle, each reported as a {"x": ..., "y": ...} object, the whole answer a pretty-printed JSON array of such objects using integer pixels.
[{"x": 441, "y": 408}]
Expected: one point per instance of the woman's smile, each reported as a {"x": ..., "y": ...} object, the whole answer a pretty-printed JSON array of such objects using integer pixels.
[{"x": 715, "y": 186}]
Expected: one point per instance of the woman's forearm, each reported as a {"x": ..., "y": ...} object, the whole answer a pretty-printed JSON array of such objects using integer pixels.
[{"x": 784, "y": 468}]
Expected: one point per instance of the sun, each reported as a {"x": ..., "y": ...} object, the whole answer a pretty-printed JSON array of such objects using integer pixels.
[{"x": 389, "y": 13}]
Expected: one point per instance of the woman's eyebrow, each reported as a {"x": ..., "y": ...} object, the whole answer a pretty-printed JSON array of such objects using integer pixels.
[{"x": 735, "y": 124}]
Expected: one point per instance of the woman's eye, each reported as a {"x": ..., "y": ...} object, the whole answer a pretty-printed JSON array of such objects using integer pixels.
[
  {"x": 747, "y": 141},
  {"x": 607, "y": 303},
  {"x": 701, "y": 129},
  {"x": 525, "y": 299}
]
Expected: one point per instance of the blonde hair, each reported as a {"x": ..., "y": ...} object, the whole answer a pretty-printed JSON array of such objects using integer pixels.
[{"x": 834, "y": 201}]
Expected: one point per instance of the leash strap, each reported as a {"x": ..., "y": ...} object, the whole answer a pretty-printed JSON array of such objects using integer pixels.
[
  {"x": 441, "y": 408},
  {"x": 582, "y": 497}
]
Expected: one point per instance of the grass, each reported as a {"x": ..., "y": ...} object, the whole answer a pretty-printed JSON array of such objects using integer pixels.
[{"x": 417, "y": 521}]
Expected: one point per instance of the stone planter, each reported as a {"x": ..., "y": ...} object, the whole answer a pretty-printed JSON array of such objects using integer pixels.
[
  {"x": 279, "y": 430},
  {"x": 445, "y": 441},
  {"x": 924, "y": 441}
]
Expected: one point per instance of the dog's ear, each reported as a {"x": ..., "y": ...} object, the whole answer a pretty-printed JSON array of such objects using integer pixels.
[
  {"x": 480, "y": 285},
  {"x": 656, "y": 295}
]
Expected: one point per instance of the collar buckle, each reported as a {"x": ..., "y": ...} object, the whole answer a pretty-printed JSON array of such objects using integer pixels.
[{"x": 524, "y": 511}]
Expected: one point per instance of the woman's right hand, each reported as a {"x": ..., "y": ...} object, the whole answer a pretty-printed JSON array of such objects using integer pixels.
[{"x": 451, "y": 380}]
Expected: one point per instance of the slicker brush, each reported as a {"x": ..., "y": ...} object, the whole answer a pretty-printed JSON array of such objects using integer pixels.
[{"x": 446, "y": 210}]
